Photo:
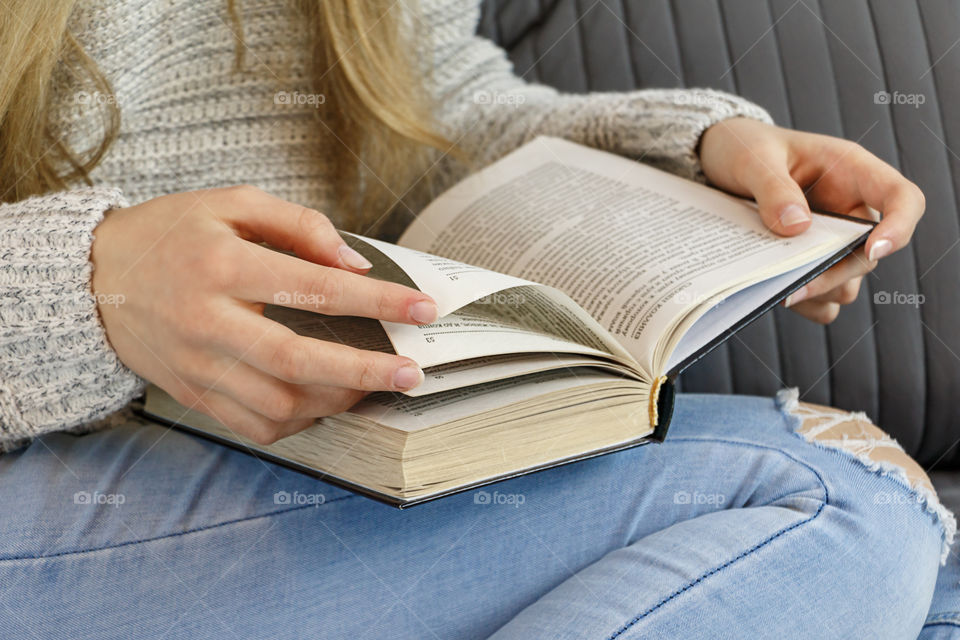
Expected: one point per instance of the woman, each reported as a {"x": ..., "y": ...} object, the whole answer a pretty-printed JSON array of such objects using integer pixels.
[{"x": 746, "y": 523}]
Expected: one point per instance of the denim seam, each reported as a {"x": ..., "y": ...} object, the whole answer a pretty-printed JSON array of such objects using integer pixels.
[
  {"x": 951, "y": 618},
  {"x": 169, "y": 535},
  {"x": 887, "y": 477},
  {"x": 824, "y": 502}
]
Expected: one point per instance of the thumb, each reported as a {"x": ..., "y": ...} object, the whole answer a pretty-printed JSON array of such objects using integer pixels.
[{"x": 783, "y": 207}]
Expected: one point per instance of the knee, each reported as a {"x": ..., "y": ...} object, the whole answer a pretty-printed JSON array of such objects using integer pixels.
[{"x": 855, "y": 434}]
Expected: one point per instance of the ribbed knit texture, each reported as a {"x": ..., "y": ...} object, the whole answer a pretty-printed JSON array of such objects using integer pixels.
[{"x": 191, "y": 121}]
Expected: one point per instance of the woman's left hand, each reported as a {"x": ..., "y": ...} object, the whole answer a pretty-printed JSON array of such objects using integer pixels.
[{"x": 784, "y": 170}]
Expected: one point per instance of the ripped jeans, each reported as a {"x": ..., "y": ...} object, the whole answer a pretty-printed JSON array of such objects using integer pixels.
[{"x": 750, "y": 521}]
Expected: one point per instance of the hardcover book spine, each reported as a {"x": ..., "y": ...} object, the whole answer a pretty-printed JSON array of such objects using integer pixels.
[{"x": 662, "y": 396}]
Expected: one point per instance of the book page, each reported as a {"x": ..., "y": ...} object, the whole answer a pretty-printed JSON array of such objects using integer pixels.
[
  {"x": 451, "y": 283},
  {"x": 483, "y": 313},
  {"x": 360, "y": 333},
  {"x": 469, "y": 346},
  {"x": 520, "y": 320},
  {"x": 466, "y": 373},
  {"x": 412, "y": 414},
  {"x": 637, "y": 248},
  {"x": 699, "y": 330}
]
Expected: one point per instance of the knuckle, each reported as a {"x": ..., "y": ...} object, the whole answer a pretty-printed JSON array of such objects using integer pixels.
[
  {"x": 325, "y": 286},
  {"x": 259, "y": 430},
  {"x": 288, "y": 361},
  {"x": 920, "y": 196},
  {"x": 241, "y": 192},
  {"x": 203, "y": 326},
  {"x": 827, "y": 314},
  {"x": 195, "y": 368},
  {"x": 849, "y": 147},
  {"x": 262, "y": 432},
  {"x": 280, "y": 406},
  {"x": 384, "y": 303},
  {"x": 367, "y": 375},
  {"x": 184, "y": 394},
  {"x": 849, "y": 293},
  {"x": 312, "y": 223},
  {"x": 208, "y": 327},
  {"x": 844, "y": 150},
  {"x": 219, "y": 264}
]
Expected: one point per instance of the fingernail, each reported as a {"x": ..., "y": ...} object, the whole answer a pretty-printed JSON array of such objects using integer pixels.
[
  {"x": 424, "y": 312},
  {"x": 793, "y": 214},
  {"x": 880, "y": 249},
  {"x": 407, "y": 377},
  {"x": 796, "y": 296},
  {"x": 352, "y": 259}
]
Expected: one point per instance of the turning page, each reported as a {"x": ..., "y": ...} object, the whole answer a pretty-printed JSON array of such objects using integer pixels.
[{"x": 482, "y": 312}]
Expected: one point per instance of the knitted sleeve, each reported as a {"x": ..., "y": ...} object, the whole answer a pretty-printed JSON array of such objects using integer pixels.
[
  {"x": 489, "y": 111},
  {"x": 57, "y": 370}
]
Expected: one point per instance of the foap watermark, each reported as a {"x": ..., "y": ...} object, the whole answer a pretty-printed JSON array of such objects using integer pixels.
[
  {"x": 99, "y": 498},
  {"x": 898, "y": 297},
  {"x": 897, "y": 98},
  {"x": 297, "y": 99},
  {"x": 95, "y": 98},
  {"x": 296, "y": 298},
  {"x": 512, "y": 499},
  {"x": 512, "y": 298},
  {"x": 697, "y": 497},
  {"x": 495, "y": 97},
  {"x": 109, "y": 299},
  {"x": 298, "y": 499},
  {"x": 689, "y": 298},
  {"x": 698, "y": 99},
  {"x": 895, "y": 497}
]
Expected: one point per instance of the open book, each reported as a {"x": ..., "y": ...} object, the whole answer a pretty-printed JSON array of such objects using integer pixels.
[{"x": 573, "y": 285}]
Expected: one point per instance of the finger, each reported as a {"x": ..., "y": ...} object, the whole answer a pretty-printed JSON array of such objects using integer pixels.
[
  {"x": 261, "y": 217},
  {"x": 250, "y": 424},
  {"x": 852, "y": 267},
  {"x": 780, "y": 200},
  {"x": 231, "y": 414},
  {"x": 902, "y": 206},
  {"x": 278, "y": 278},
  {"x": 863, "y": 211},
  {"x": 819, "y": 312},
  {"x": 845, "y": 293},
  {"x": 272, "y": 398},
  {"x": 851, "y": 171},
  {"x": 279, "y": 352}
]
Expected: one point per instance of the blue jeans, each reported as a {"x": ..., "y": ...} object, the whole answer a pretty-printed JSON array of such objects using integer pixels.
[{"x": 735, "y": 527}]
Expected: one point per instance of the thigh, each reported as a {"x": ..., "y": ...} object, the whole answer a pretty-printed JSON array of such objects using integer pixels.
[
  {"x": 943, "y": 618},
  {"x": 142, "y": 531}
]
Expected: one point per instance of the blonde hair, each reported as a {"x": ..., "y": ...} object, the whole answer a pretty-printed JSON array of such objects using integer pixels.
[{"x": 377, "y": 118}]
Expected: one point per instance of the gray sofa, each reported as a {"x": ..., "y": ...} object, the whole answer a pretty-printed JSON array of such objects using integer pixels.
[{"x": 885, "y": 73}]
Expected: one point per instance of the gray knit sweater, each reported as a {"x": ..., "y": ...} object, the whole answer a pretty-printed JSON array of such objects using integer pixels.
[{"x": 189, "y": 121}]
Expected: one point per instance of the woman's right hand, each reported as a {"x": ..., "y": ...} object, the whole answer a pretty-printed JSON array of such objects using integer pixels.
[{"x": 188, "y": 282}]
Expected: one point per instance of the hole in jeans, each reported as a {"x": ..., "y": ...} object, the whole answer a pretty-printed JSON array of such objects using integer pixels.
[{"x": 854, "y": 434}]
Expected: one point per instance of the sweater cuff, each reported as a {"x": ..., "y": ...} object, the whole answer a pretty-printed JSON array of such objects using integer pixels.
[
  {"x": 671, "y": 140},
  {"x": 57, "y": 370}
]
